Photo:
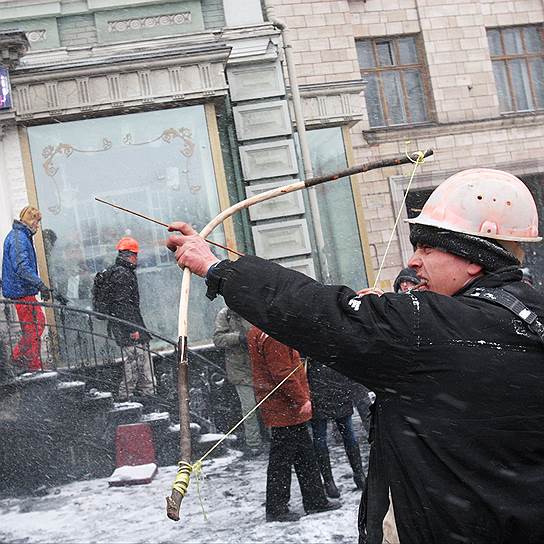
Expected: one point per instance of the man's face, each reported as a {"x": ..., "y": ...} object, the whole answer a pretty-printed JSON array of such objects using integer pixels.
[
  {"x": 444, "y": 273},
  {"x": 33, "y": 224}
]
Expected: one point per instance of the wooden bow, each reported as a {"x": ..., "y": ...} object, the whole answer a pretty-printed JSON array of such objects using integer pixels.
[{"x": 185, "y": 468}]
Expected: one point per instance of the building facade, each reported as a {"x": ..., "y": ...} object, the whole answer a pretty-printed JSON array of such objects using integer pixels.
[
  {"x": 464, "y": 78},
  {"x": 177, "y": 109}
]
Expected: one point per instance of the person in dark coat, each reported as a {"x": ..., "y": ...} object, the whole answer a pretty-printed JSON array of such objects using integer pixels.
[
  {"x": 124, "y": 303},
  {"x": 21, "y": 282},
  {"x": 332, "y": 399},
  {"x": 457, "y": 366},
  {"x": 286, "y": 412},
  {"x": 407, "y": 279}
]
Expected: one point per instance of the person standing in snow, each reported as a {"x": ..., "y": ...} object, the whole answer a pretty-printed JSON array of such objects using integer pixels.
[
  {"x": 231, "y": 334},
  {"x": 332, "y": 399},
  {"x": 457, "y": 366},
  {"x": 21, "y": 282},
  {"x": 123, "y": 298},
  {"x": 286, "y": 412}
]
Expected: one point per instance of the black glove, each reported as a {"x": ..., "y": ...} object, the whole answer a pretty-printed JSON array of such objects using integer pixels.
[{"x": 45, "y": 292}]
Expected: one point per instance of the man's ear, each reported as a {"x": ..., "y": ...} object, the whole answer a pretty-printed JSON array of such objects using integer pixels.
[{"x": 474, "y": 269}]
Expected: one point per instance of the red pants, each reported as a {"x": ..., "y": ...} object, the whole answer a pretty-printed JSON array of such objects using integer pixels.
[{"x": 26, "y": 353}]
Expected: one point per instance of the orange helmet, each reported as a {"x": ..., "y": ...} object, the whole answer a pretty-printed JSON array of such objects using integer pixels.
[
  {"x": 128, "y": 244},
  {"x": 483, "y": 202}
]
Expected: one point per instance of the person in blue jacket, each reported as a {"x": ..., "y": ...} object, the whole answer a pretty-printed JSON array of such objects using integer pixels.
[{"x": 21, "y": 282}]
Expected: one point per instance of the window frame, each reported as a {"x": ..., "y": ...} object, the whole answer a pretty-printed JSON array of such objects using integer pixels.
[
  {"x": 421, "y": 67},
  {"x": 526, "y": 57}
]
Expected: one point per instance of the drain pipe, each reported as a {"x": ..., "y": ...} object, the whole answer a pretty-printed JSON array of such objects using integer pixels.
[{"x": 302, "y": 137}]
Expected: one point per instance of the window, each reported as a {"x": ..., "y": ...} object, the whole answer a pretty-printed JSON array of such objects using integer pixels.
[
  {"x": 396, "y": 78},
  {"x": 158, "y": 163},
  {"x": 518, "y": 65},
  {"x": 337, "y": 213}
]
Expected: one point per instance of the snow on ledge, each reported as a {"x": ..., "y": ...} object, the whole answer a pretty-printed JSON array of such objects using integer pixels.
[
  {"x": 68, "y": 385},
  {"x": 36, "y": 376},
  {"x": 100, "y": 395},
  {"x": 138, "y": 474},
  {"x": 174, "y": 428},
  {"x": 155, "y": 416},
  {"x": 120, "y": 406},
  {"x": 215, "y": 437}
]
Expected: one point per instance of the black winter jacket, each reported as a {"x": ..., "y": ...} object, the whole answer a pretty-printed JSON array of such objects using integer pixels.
[
  {"x": 125, "y": 304},
  {"x": 459, "y": 438},
  {"x": 332, "y": 396}
]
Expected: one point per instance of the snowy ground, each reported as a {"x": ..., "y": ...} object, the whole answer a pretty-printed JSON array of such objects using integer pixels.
[{"x": 233, "y": 493}]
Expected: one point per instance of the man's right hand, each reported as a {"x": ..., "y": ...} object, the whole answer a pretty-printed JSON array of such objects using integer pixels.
[
  {"x": 370, "y": 291},
  {"x": 191, "y": 250}
]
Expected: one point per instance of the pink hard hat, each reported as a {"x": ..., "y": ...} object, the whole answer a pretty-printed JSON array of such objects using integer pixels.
[{"x": 483, "y": 202}]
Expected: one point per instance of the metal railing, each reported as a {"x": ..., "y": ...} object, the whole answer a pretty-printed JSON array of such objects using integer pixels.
[{"x": 79, "y": 344}]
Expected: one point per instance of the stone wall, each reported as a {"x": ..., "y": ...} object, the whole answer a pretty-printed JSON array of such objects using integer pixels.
[{"x": 323, "y": 42}]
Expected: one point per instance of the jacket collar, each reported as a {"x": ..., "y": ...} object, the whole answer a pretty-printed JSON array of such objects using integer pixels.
[
  {"x": 121, "y": 262},
  {"x": 19, "y": 225},
  {"x": 509, "y": 274}
]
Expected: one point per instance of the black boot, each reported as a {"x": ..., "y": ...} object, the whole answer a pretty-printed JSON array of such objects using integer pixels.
[
  {"x": 354, "y": 456},
  {"x": 334, "y": 505},
  {"x": 324, "y": 462}
]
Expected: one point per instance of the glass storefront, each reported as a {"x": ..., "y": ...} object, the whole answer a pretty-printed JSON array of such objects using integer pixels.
[{"x": 157, "y": 163}]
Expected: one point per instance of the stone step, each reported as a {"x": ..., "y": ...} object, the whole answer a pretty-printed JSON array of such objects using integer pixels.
[
  {"x": 95, "y": 400},
  {"x": 33, "y": 391},
  {"x": 124, "y": 413},
  {"x": 71, "y": 390}
]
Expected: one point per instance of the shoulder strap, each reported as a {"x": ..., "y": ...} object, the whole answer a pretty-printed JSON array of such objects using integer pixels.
[{"x": 501, "y": 297}]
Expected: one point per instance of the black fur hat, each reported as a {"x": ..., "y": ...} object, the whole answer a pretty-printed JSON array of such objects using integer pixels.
[{"x": 483, "y": 251}]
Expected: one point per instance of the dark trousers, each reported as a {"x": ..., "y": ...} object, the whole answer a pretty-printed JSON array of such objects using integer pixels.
[
  {"x": 292, "y": 446},
  {"x": 343, "y": 424}
]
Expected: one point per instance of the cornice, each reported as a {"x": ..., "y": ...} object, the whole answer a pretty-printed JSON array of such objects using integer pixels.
[
  {"x": 32, "y": 9},
  {"x": 121, "y": 62},
  {"x": 13, "y": 46},
  {"x": 119, "y": 80},
  {"x": 332, "y": 104}
]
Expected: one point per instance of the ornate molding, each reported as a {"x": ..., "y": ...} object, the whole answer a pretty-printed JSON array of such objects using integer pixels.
[
  {"x": 37, "y": 35},
  {"x": 122, "y": 25},
  {"x": 13, "y": 45},
  {"x": 332, "y": 103},
  {"x": 68, "y": 90},
  {"x": 52, "y": 152}
]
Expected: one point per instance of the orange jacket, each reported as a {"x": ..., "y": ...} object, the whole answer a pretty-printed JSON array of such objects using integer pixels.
[{"x": 271, "y": 362}]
